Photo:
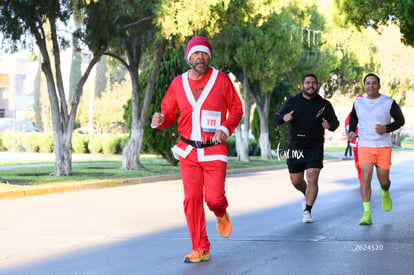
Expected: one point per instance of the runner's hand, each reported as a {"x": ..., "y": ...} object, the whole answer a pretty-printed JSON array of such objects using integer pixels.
[
  {"x": 325, "y": 124},
  {"x": 157, "y": 119},
  {"x": 351, "y": 136},
  {"x": 380, "y": 129},
  {"x": 288, "y": 116},
  {"x": 219, "y": 137}
]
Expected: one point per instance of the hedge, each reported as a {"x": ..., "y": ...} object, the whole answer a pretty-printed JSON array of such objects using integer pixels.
[
  {"x": 44, "y": 142},
  {"x": 84, "y": 144},
  {"x": 254, "y": 147}
]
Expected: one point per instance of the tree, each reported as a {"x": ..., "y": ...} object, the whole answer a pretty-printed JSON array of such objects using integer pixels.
[
  {"x": 267, "y": 46},
  {"x": 106, "y": 116},
  {"x": 232, "y": 24},
  {"x": 396, "y": 70},
  {"x": 278, "y": 136},
  {"x": 378, "y": 15},
  {"x": 115, "y": 24},
  {"x": 338, "y": 56},
  {"x": 161, "y": 141},
  {"x": 184, "y": 18},
  {"x": 373, "y": 13},
  {"x": 346, "y": 52},
  {"x": 38, "y": 19},
  {"x": 254, "y": 43},
  {"x": 388, "y": 59}
]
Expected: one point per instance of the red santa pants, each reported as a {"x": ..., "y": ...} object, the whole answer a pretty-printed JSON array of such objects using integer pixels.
[
  {"x": 196, "y": 176},
  {"x": 356, "y": 160}
]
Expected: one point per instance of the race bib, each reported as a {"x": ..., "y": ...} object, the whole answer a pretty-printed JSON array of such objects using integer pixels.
[{"x": 210, "y": 121}]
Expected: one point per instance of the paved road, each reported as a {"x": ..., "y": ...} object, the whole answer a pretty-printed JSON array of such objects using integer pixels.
[{"x": 140, "y": 229}]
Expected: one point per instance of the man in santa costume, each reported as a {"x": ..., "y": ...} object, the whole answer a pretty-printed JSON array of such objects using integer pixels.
[{"x": 210, "y": 110}]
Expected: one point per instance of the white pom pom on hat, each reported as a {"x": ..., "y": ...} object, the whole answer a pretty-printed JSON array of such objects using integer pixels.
[{"x": 198, "y": 44}]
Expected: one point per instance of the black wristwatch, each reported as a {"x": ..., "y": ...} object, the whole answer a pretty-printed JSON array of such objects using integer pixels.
[{"x": 388, "y": 128}]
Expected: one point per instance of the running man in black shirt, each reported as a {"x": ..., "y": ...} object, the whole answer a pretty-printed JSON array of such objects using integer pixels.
[{"x": 309, "y": 115}]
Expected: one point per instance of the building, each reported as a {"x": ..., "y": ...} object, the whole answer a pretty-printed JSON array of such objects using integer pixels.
[{"x": 16, "y": 88}]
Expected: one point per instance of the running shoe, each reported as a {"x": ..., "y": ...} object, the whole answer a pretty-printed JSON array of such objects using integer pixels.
[
  {"x": 224, "y": 225},
  {"x": 307, "y": 218},
  {"x": 366, "y": 219},
  {"x": 197, "y": 256},
  {"x": 386, "y": 201}
]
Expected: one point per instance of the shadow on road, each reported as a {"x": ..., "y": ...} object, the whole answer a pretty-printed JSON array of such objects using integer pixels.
[{"x": 270, "y": 241}]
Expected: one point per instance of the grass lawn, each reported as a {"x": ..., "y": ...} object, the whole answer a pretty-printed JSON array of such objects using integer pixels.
[
  {"x": 109, "y": 167},
  {"x": 38, "y": 172}
]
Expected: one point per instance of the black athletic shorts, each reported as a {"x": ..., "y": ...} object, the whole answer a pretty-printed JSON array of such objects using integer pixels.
[{"x": 301, "y": 159}]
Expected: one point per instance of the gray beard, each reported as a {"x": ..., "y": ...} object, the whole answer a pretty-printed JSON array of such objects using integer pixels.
[{"x": 199, "y": 71}]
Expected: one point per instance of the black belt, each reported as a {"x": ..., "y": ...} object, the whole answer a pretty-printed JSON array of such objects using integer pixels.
[{"x": 199, "y": 144}]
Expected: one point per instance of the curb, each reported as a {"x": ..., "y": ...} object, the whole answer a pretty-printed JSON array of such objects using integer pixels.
[
  {"x": 26, "y": 191},
  {"x": 71, "y": 187}
]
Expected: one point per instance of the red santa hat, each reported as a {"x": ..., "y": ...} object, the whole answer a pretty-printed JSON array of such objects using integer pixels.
[{"x": 198, "y": 44}]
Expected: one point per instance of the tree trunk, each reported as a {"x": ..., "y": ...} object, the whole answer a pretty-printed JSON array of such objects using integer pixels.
[
  {"x": 63, "y": 123},
  {"x": 132, "y": 150},
  {"x": 263, "y": 111},
  {"x": 241, "y": 148},
  {"x": 396, "y": 137},
  {"x": 242, "y": 135},
  {"x": 63, "y": 154},
  {"x": 265, "y": 150}
]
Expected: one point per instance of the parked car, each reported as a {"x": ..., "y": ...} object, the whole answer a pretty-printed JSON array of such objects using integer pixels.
[{"x": 10, "y": 124}]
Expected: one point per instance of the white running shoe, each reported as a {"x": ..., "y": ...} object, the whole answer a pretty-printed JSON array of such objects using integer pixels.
[{"x": 307, "y": 218}]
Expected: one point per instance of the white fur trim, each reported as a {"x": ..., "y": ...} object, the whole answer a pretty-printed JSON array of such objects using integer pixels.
[
  {"x": 199, "y": 48},
  {"x": 224, "y": 129},
  {"x": 177, "y": 151},
  {"x": 196, "y": 126},
  {"x": 201, "y": 157}
]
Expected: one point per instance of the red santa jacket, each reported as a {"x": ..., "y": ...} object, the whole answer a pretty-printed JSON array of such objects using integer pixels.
[{"x": 218, "y": 107}]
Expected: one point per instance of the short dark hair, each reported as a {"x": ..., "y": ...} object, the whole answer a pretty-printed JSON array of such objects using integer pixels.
[
  {"x": 374, "y": 75},
  {"x": 310, "y": 75}
]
